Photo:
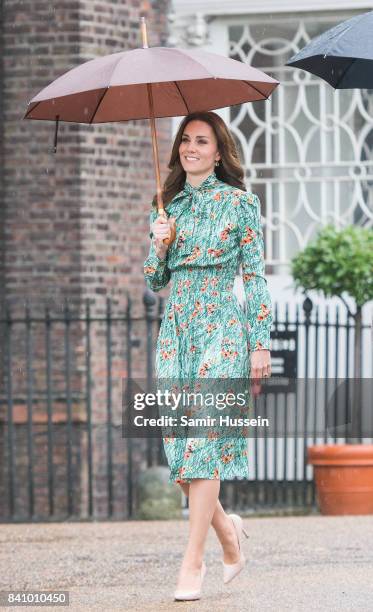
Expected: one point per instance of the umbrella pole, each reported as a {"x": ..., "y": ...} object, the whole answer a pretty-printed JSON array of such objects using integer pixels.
[
  {"x": 155, "y": 150},
  {"x": 160, "y": 206}
]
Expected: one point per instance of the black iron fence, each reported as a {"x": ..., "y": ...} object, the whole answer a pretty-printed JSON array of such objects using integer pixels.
[{"x": 62, "y": 451}]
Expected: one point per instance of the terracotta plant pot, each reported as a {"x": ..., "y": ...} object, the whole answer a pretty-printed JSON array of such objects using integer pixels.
[{"x": 344, "y": 477}]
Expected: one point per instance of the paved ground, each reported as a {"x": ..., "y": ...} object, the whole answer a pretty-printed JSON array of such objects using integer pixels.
[{"x": 294, "y": 563}]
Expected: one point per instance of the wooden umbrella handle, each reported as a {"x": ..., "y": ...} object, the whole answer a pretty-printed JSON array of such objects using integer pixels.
[
  {"x": 160, "y": 206},
  {"x": 172, "y": 237}
]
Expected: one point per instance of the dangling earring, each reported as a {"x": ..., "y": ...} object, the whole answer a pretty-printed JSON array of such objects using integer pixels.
[{"x": 217, "y": 163}]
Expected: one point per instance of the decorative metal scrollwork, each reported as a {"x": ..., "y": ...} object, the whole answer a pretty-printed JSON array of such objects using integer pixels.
[{"x": 308, "y": 149}]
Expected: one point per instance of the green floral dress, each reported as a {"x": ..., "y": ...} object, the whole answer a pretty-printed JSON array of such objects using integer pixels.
[{"x": 204, "y": 331}]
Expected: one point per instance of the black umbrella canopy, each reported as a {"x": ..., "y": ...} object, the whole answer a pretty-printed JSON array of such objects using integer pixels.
[{"x": 342, "y": 56}]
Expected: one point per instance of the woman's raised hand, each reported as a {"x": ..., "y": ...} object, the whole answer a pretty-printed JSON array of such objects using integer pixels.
[{"x": 161, "y": 229}]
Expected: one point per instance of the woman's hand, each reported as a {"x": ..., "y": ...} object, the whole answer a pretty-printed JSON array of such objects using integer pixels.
[
  {"x": 260, "y": 364},
  {"x": 161, "y": 229}
]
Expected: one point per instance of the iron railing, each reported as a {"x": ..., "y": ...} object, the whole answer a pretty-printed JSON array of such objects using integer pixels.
[{"x": 62, "y": 375}]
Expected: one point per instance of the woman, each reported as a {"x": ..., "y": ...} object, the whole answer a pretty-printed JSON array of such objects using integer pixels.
[{"x": 204, "y": 332}]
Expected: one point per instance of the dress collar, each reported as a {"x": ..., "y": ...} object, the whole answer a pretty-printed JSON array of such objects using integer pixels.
[
  {"x": 186, "y": 196},
  {"x": 209, "y": 182}
]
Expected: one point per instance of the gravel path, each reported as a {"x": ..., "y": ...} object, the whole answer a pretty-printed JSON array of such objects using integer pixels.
[{"x": 294, "y": 563}]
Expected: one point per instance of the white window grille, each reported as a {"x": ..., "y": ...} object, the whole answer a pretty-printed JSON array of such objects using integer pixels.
[{"x": 307, "y": 150}]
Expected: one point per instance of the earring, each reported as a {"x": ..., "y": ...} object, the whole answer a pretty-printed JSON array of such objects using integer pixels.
[{"x": 217, "y": 163}]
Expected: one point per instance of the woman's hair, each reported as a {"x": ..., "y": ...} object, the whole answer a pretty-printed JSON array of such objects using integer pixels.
[{"x": 229, "y": 170}]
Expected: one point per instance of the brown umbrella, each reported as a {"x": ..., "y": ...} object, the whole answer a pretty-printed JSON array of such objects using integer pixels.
[{"x": 148, "y": 83}]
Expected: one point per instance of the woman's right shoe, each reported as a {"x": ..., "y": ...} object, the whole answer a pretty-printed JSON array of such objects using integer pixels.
[
  {"x": 233, "y": 569},
  {"x": 191, "y": 595}
]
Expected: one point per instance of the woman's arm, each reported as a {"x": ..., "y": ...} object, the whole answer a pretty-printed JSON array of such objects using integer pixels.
[
  {"x": 156, "y": 271},
  {"x": 258, "y": 300}
]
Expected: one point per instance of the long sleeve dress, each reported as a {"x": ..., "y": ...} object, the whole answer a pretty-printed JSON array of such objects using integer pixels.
[{"x": 204, "y": 331}]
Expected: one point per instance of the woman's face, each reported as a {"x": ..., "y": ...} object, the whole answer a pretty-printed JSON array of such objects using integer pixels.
[{"x": 198, "y": 149}]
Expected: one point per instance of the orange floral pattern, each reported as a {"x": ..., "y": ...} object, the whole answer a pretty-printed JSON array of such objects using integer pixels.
[{"x": 204, "y": 332}]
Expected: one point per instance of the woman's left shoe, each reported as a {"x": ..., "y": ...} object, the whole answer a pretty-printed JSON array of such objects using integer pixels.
[
  {"x": 233, "y": 569},
  {"x": 191, "y": 595}
]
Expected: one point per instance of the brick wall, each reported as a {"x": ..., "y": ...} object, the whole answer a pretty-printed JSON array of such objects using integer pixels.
[
  {"x": 41, "y": 191},
  {"x": 74, "y": 221},
  {"x": 117, "y": 178},
  {"x": 74, "y": 225}
]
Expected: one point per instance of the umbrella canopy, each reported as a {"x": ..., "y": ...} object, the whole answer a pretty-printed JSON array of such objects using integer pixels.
[
  {"x": 114, "y": 87},
  {"x": 342, "y": 56},
  {"x": 148, "y": 83}
]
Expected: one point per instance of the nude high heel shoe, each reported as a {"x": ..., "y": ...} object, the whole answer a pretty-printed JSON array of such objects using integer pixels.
[
  {"x": 233, "y": 569},
  {"x": 191, "y": 595}
]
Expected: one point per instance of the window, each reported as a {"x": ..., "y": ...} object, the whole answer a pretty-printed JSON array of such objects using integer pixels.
[{"x": 307, "y": 150}]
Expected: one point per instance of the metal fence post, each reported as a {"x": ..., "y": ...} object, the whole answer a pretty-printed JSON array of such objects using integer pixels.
[
  {"x": 149, "y": 303},
  {"x": 307, "y": 309}
]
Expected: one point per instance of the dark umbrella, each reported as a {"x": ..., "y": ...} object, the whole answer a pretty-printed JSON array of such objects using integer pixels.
[
  {"x": 148, "y": 83},
  {"x": 342, "y": 56}
]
